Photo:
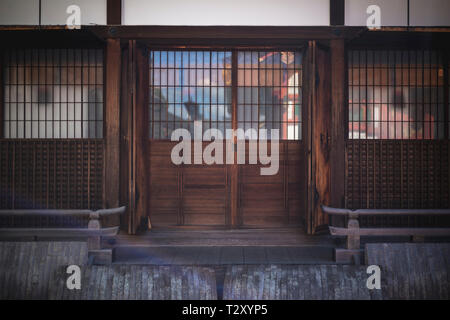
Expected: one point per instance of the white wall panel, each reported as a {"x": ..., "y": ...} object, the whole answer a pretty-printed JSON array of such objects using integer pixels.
[
  {"x": 92, "y": 11},
  {"x": 393, "y": 12},
  {"x": 430, "y": 12},
  {"x": 19, "y": 12},
  {"x": 226, "y": 12},
  {"x": 53, "y": 12}
]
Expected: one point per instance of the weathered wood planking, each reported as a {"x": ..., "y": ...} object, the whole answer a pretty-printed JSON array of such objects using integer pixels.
[
  {"x": 412, "y": 270},
  {"x": 297, "y": 282},
  {"x": 138, "y": 282},
  {"x": 26, "y": 267}
]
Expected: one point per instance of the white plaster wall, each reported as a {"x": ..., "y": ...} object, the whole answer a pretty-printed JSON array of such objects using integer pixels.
[
  {"x": 393, "y": 12},
  {"x": 19, "y": 12},
  {"x": 430, "y": 12},
  {"x": 53, "y": 12},
  {"x": 92, "y": 11},
  {"x": 226, "y": 12}
]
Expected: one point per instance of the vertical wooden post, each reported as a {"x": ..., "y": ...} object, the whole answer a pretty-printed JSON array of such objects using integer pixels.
[
  {"x": 94, "y": 242},
  {"x": 353, "y": 238},
  {"x": 140, "y": 136},
  {"x": 337, "y": 12},
  {"x": 307, "y": 102},
  {"x": 134, "y": 131},
  {"x": 131, "y": 93},
  {"x": 1, "y": 94},
  {"x": 114, "y": 12},
  {"x": 112, "y": 123},
  {"x": 234, "y": 216},
  {"x": 320, "y": 122},
  {"x": 338, "y": 122},
  {"x": 125, "y": 139}
]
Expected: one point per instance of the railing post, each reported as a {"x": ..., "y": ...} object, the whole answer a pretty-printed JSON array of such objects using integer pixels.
[
  {"x": 353, "y": 238},
  {"x": 94, "y": 242}
]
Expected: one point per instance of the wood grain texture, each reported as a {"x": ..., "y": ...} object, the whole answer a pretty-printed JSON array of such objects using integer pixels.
[
  {"x": 1, "y": 96},
  {"x": 27, "y": 268},
  {"x": 114, "y": 12},
  {"x": 297, "y": 282},
  {"x": 112, "y": 122},
  {"x": 139, "y": 282},
  {"x": 125, "y": 137},
  {"x": 412, "y": 270},
  {"x": 226, "y": 195},
  {"x": 320, "y": 185},
  {"x": 140, "y": 141},
  {"x": 394, "y": 174},
  {"x": 338, "y": 123},
  {"x": 51, "y": 174}
]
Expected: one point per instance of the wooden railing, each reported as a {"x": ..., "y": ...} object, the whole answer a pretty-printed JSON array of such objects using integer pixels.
[
  {"x": 353, "y": 232},
  {"x": 93, "y": 233}
]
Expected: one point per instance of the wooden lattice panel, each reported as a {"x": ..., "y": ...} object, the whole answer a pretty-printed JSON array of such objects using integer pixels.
[
  {"x": 398, "y": 174},
  {"x": 50, "y": 173}
]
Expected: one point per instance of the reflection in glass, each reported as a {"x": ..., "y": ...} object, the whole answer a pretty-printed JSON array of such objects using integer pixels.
[
  {"x": 269, "y": 87},
  {"x": 186, "y": 86},
  {"x": 396, "y": 94},
  {"x": 53, "y": 93}
]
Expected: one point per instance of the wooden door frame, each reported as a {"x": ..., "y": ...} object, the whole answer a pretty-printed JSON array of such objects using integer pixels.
[
  {"x": 233, "y": 214},
  {"x": 315, "y": 219}
]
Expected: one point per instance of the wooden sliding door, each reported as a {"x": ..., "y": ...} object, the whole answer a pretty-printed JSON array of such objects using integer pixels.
[{"x": 254, "y": 93}]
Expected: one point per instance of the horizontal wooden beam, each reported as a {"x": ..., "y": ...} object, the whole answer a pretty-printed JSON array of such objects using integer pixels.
[
  {"x": 369, "y": 212},
  {"x": 435, "y": 232},
  {"x": 226, "y": 32},
  {"x": 60, "y": 212},
  {"x": 52, "y": 233}
]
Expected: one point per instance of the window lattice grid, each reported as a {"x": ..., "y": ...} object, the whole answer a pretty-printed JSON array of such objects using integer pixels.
[
  {"x": 53, "y": 93},
  {"x": 186, "y": 86},
  {"x": 189, "y": 86},
  {"x": 269, "y": 93},
  {"x": 396, "y": 94}
]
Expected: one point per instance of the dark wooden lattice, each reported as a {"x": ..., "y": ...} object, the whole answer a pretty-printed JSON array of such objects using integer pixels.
[
  {"x": 51, "y": 173},
  {"x": 398, "y": 174}
]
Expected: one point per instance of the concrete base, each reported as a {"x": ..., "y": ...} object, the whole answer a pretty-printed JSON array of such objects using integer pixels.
[
  {"x": 348, "y": 256},
  {"x": 100, "y": 257}
]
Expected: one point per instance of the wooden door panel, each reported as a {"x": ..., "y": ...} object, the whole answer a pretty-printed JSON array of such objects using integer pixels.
[
  {"x": 276, "y": 200},
  {"x": 164, "y": 199},
  {"x": 195, "y": 175},
  {"x": 188, "y": 194},
  {"x": 209, "y": 219}
]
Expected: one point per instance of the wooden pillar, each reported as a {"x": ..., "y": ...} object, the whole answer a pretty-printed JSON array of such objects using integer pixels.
[
  {"x": 112, "y": 119},
  {"x": 2, "y": 104},
  {"x": 339, "y": 115},
  {"x": 125, "y": 138},
  {"x": 134, "y": 171},
  {"x": 234, "y": 173},
  {"x": 140, "y": 138},
  {"x": 319, "y": 137},
  {"x": 337, "y": 12},
  {"x": 114, "y": 12}
]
